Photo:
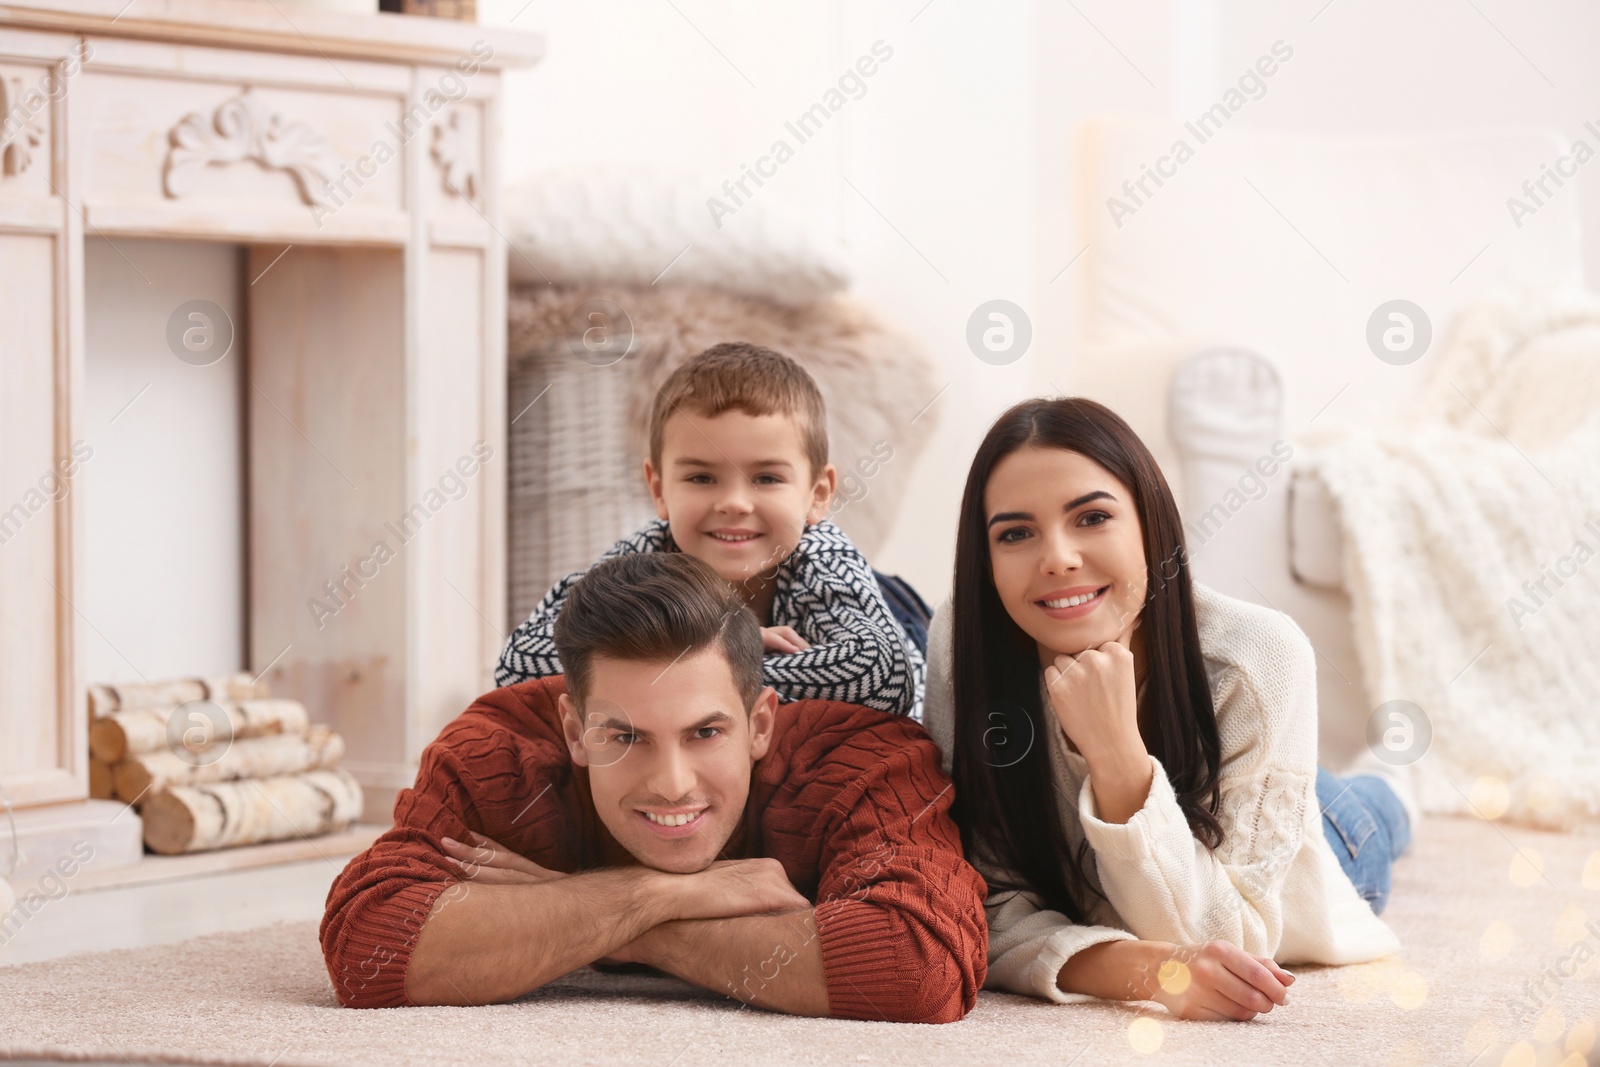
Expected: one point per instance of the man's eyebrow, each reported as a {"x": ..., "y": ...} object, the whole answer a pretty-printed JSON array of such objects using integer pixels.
[
  {"x": 1010, "y": 516},
  {"x": 716, "y": 718}
]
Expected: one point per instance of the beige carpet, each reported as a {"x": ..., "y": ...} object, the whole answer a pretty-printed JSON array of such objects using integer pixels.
[{"x": 1481, "y": 909}]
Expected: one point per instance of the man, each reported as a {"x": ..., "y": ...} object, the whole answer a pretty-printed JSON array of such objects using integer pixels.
[{"x": 658, "y": 806}]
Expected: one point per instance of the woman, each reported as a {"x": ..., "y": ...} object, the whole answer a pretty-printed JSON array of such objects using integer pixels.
[{"x": 1134, "y": 755}]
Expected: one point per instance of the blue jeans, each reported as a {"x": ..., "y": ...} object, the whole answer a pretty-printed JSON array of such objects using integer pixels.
[{"x": 1368, "y": 828}]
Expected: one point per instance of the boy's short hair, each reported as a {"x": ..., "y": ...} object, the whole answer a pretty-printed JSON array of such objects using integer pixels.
[
  {"x": 656, "y": 607},
  {"x": 739, "y": 376}
]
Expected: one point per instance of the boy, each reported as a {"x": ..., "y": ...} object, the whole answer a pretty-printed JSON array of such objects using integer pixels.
[{"x": 739, "y": 473}]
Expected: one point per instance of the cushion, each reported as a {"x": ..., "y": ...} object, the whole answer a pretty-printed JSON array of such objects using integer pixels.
[{"x": 641, "y": 227}]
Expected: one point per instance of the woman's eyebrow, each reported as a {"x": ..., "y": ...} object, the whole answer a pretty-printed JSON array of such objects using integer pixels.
[
  {"x": 1098, "y": 494},
  {"x": 1011, "y": 516}
]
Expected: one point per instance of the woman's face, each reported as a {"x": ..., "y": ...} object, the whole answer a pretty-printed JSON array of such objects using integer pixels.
[{"x": 1065, "y": 548}]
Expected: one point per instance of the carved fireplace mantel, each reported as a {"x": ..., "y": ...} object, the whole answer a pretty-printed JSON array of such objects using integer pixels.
[{"x": 367, "y": 143}]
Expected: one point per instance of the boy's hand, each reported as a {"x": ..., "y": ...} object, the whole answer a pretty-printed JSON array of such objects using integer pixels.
[{"x": 782, "y": 639}]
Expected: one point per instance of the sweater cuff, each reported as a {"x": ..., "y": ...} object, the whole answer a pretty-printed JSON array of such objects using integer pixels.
[
  {"x": 376, "y": 944},
  {"x": 1036, "y": 969},
  {"x": 1140, "y": 835},
  {"x": 858, "y": 960},
  {"x": 861, "y": 963}
]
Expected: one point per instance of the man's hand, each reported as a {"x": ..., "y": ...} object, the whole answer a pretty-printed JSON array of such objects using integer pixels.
[
  {"x": 724, "y": 890},
  {"x": 771, "y": 961},
  {"x": 491, "y": 863},
  {"x": 782, "y": 639},
  {"x": 737, "y": 887},
  {"x": 721, "y": 891}
]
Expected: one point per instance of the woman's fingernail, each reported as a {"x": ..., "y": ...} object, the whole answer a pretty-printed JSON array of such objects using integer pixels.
[{"x": 449, "y": 841}]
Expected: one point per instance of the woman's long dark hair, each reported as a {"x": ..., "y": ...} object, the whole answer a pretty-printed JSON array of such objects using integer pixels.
[{"x": 1006, "y": 803}]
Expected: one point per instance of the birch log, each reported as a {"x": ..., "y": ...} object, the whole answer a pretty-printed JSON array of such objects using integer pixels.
[
  {"x": 239, "y": 686},
  {"x": 125, "y": 733},
  {"x": 105, "y": 699},
  {"x": 225, "y": 814},
  {"x": 102, "y": 781},
  {"x": 253, "y": 757}
]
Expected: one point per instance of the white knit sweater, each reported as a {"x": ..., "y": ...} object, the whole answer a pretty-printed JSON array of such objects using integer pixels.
[{"x": 1274, "y": 886}]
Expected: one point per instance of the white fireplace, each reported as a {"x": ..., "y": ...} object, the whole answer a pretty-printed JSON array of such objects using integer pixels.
[{"x": 325, "y": 188}]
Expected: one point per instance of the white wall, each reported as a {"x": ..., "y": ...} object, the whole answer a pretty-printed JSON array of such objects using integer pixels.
[
  {"x": 963, "y": 141},
  {"x": 164, "y": 584},
  {"x": 940, "y": 149}
]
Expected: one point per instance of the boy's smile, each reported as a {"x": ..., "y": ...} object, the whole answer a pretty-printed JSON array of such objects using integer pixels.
[{"x": 735, "y": 538}]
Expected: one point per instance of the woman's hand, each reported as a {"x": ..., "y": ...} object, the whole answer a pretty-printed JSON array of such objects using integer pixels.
[
  {"x": 782, "y": 639},
  {"x": 1093, "y": 696},
  {"x": 1096, "y": 701},
  {"x": 491, "y": 863},
  {"x": 1217, "y": 981}
]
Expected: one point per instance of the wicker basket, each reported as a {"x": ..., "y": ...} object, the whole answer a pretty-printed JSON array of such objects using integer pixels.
[{"x": 575, "y": 482}]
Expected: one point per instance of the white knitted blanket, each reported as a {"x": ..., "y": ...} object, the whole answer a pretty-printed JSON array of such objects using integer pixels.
[{"x": 1472, "y": 557}]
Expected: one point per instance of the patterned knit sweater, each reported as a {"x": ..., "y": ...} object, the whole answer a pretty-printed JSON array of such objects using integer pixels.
[
  {"x": 859, "y": 654},
  {"x": 1274, "y": 886},
  {"x": 852, "y": 802}
]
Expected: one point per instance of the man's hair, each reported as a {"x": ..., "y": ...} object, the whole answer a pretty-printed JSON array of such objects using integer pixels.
[
  {"x": 739, "y": 376},
  {"x": 656, "y": 607}
]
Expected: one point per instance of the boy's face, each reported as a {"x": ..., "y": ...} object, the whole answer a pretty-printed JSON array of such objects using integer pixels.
[
  {"x": 737, "y": 490},
  {"x": 669, "y": 764}
]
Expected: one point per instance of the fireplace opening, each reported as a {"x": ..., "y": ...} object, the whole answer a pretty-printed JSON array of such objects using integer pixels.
[{"x": 164, "y": 460}]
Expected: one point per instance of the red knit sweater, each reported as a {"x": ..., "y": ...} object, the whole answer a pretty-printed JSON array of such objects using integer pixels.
[{"x": 851, "y": 801}]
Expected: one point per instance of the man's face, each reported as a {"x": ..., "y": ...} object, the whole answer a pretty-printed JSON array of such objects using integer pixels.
[{"x": 669, "y": 747}]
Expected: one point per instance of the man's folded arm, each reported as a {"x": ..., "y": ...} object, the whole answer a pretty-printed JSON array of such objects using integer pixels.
[
  {"x": 485, "y": 944},
  {"x": 402, "y": 927},
  {"x": 770, "y": 961},
  {"x": 897, "y": 932}
]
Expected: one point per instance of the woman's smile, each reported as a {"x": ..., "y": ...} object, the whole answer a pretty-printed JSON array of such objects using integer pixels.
[{"x": 1072, "y": 603}]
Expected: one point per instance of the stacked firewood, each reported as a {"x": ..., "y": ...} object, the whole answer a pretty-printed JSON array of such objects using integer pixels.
[{"x": 216, "y": 762}]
